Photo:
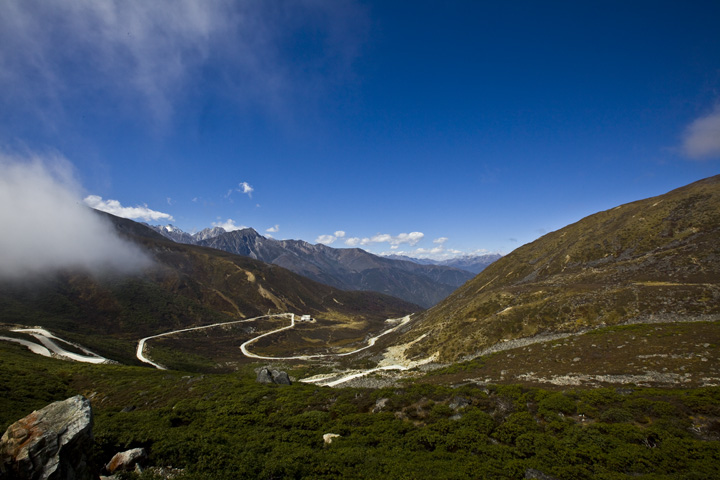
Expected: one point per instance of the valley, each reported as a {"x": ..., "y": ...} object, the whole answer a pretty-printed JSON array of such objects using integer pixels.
[
  {"x": 592, "y": 352},
  {"x": 325, "y": 380}
]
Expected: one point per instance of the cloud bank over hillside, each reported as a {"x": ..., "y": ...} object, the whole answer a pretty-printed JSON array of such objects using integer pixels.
[
  {"x": 140, "y": 212},
  {"x": 47, "y": 228}
]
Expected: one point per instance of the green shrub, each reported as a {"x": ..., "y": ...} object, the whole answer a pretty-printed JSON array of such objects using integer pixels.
[
  {"x": 556, "y": 403},
  {"x": 616, "y": 415}
]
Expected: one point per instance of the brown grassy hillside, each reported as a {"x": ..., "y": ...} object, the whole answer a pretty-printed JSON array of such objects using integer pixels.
[{"x": 657, "y": 258}]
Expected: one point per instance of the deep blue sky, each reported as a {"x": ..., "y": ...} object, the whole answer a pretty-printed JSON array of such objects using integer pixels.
[{"x": 485, "y": 124}]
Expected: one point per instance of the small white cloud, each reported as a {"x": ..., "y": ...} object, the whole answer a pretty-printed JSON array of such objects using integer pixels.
[
  {"x": 169, "y": 201},
  {"x": 440, "y": 240},
  {"x": 329, "y": 239},
  {"x": 352, "y": 242},
  {"x": 195, "y": 199},
  {"x": 134, "y": 213},
  {"x": 411, "y": 239},
  {"x": 429, "y": 251},
  {"x": 245, "y": 188},
  {"x": 326, "y": 239},
  {"x": 702, "y": 137},
  {"x": 273, "y": 229},
  {"x": 228, "y": 225}
]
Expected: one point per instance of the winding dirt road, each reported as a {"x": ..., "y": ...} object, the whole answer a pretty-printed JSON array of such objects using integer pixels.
[
  {"x": 48, "y": 345},
  {"x": 140, "y": 352},
  {"x": 249, "y": 354}
]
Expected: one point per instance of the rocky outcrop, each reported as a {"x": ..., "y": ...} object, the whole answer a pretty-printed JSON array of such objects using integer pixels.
[
  {"x": 266, "y": 375},
  {"x": 50, "y": 444},
  {"x": 126, "y": 461},
  {"x": 329, "y": 437}
]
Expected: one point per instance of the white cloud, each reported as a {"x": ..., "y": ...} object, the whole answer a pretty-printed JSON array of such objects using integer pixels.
[
  {"x": 47, "y": 228},
  {"x": 243, "y": 187},
  {"x": 153, "y": 52},
  {"x": 429, "y": 251},
  {"x": 246, "y": 188},
  {"x": 702, "y": 137},
  {"x": 325, "y": 239},
  {"x": 441, "y": 240},
  {"x": 229, "y": 225},
  {"x": 411, "y": 238},
  {"x": 135, "y": 213},
  {"x": 273, "y": 229},
  {"x": 330, "y": 239},
  {"x": 352, "y": 242}
]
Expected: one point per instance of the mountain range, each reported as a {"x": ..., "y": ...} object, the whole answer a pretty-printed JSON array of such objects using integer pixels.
[
  {"x": 177, "y": 235},
  {"x": 652, "y": 260},
  {"x": 346, "y": 268},
  {"x": 471, "y": 263}
]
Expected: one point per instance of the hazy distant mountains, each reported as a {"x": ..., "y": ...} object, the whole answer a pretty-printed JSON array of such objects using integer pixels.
[
  {"x": 471, "y": 263},
  {"x": 345, "y": 268}
]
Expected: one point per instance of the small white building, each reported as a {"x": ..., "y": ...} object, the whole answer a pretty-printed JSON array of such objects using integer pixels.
[{"x": 306, "y": 318}]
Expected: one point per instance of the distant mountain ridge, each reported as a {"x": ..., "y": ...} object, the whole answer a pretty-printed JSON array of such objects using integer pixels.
[
  {"x": 346, "y": 268},
  {"x": 177, "y": 235},
  {"x": 423, "y": 284},
  {"x": 471, "y": 263}
]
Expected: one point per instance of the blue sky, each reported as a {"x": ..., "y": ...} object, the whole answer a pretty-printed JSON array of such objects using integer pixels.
[{"x": 424, "y": 128}]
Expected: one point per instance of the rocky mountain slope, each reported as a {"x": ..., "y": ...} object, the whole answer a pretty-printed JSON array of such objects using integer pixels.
[
  {"x": 346, "y": 268},
  {"x": 188, "y": 285},
  {"x": 653, "y": 259},
  {"x": 177, "y": 235}
]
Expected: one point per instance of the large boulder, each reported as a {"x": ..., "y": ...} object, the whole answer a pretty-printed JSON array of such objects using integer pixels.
[
  {"x": 50, "y": 444},
  {"x": 266, "y": 375}
]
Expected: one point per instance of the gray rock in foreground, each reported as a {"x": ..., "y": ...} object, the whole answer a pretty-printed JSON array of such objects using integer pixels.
[
  {"x": 266, "y": 375},
  {"x": 127, "y": 460},
  {"x": 50, "y": 444}
]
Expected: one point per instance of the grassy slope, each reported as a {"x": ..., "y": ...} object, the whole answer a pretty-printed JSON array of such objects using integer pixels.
[
  {"x": 651, "y": 258},
  {"x": 228, "y": 426},
  {"x": 659, "y": 355}
]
